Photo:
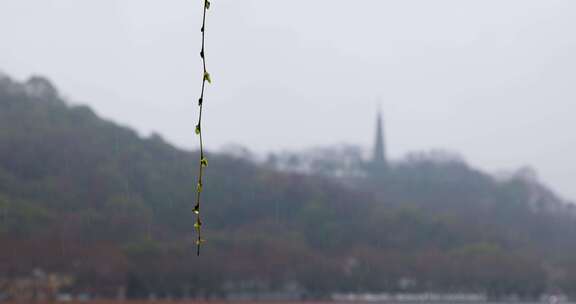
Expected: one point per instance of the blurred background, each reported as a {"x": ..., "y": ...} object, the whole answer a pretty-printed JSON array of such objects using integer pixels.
[{"x": 383, "y": 151}]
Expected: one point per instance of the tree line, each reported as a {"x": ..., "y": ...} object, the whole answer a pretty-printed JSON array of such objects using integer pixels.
[{"x": 88, "y": 198}]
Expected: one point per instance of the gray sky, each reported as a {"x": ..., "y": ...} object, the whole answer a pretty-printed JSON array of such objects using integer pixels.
[{"x": 494, "y": 80}]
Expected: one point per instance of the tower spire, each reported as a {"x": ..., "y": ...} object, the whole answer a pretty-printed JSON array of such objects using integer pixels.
[{"x": 379, "y": 156}]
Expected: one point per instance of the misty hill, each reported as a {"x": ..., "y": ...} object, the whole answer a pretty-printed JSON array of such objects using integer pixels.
[{"x": 86, "y": 197}]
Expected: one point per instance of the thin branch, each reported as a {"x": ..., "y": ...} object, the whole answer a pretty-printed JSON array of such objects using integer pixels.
[{"x": 203, "y": 161}]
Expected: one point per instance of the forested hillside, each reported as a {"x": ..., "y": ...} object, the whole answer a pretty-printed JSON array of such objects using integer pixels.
[{"x": 88, "y": 198}]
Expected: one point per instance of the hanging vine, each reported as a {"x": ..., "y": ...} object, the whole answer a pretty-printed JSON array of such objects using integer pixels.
[{"x": 203, "y": 163}]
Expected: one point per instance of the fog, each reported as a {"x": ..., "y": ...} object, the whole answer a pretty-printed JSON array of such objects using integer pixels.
[{"x": 491, "y": 80}]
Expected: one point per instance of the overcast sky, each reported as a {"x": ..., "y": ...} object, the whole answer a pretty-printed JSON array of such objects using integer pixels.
[{"x": 494, "y": 80}]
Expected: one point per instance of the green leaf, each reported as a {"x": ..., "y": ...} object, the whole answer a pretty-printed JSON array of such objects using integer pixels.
[{"x": 207, "y": 77}]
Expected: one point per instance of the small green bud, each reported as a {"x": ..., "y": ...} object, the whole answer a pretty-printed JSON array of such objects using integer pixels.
[
  {"x": 207, "y": 77},
  {"x": 196, "y": 209},
  {"x": 204, "y": 162},
  {"x": 197, "y": 129},
  {"x": 199, "y": 187},
  {"x": 200, "y": 241},
  {"x": 207, "y": 3}
]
